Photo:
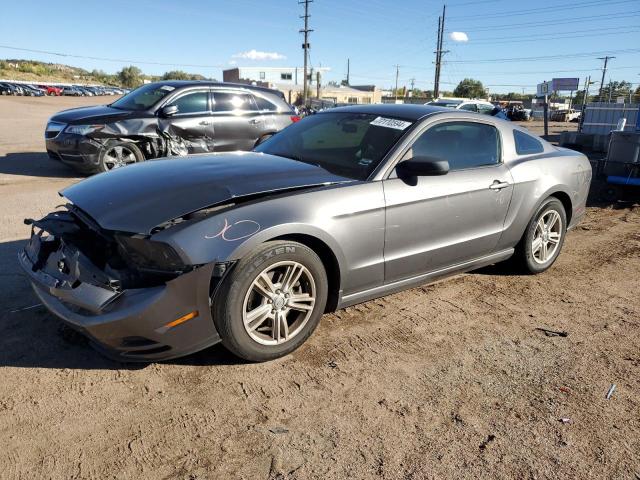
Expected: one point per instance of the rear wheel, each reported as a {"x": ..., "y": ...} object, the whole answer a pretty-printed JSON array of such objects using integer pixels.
[
  {"x": 272, "y": 301},
  {"x": 544, "y": 237},
  {"x": 119, "y": 154}
]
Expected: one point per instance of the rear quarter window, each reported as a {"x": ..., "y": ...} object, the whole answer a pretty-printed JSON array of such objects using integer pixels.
[
  {"x": 264, "y": 104},
  {"x": 526, "y": 144}
]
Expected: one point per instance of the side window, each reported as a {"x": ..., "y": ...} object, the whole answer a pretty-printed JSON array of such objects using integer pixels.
[
  {"x": 196, "y": 102},
  {"x": 485, "y": 109},
  {"x": 462, "y": 144},
  {"x": 264, "y": 104},
  {"x": 526, "y": 144},
  {"x": 471, "y": 107},
  {"x": 233, "y": 101}
]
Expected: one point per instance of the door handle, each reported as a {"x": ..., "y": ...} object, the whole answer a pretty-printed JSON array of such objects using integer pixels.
[
  {"x": 498, "y": 185},
  {"x": 205, "y": 122},
  {"x": 254, "y": 121}
]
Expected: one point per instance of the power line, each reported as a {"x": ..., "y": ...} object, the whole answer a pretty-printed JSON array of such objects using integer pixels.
[
  {"x": 537, "y": 36},
  {"x": 545, "y": 57},
  {"x": 607, "y": 16},
  {"x": 532, "y": 11},
  {"x": 543, "y": 38},
  {"x": 118, "y": 60}
]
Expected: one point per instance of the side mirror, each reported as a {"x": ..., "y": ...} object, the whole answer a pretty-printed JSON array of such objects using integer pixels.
[
  {"x": 422, "y": 166},
  {"x": 169, "y": 110}
]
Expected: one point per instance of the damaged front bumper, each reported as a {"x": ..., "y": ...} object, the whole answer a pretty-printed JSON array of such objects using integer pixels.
[
  {"x": 76, "y": 150},
  {"x": 134, "y": 324}
]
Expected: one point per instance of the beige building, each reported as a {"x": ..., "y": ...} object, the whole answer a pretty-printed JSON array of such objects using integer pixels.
[{"x": 289, "y": 81}]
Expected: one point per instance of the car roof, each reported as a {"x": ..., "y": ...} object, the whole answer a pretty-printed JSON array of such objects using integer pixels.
[
  {"x": 405, "y": 111},
  {"x": 209, "y": 83}
]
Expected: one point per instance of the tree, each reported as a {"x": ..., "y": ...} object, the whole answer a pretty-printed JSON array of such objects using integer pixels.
[
  {"x": 130, "y": 76},
  {"x": 617, "y": 89},
  {"x": 470, "y": 88},
  {"x": 176, "y": 75}
]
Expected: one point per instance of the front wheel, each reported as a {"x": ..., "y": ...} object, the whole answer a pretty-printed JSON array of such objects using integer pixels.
[
  {"x": 272, "y": 301},
  {"x": 544, "y": 237},
  {"x": 119, "y": 154}
]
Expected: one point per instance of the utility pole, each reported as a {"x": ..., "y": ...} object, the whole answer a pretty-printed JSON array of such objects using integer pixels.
[
  {"x": 413, "y": 82},
  {"x": 318, "y": 84},
  {"x": 305, "y": 46},
  {"x": 604, "y": 72},
  {"x": 396, "y": 90},
  {"x": 585, "y": 98},
  {"x": 348, "y": 67},
  {"x": 439, "y": 52}
]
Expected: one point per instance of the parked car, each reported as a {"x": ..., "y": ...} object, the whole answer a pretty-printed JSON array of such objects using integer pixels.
[
  {"x": 51, "y": 90},
  {"x": 167, "y": 257},
  {"x": 166, "y": 118},
  {"x": 71, "y": 92},
  {"x": 31, "y": 91},
  {"x": 478, "y": 106},
  {"x": 17, "y": 89},
  {"x": 5, "y": 89},
  {"x": 565, "y": 115},
  {"x": 83, "y": 91}
]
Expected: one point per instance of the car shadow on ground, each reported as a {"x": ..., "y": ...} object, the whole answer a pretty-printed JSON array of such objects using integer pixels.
[
  {"x": 35, "y": 164},
  {"x": 34, "y": 338}
]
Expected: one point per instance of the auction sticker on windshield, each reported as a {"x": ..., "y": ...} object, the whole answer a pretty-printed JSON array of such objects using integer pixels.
[{"x": 390, "y": 123}]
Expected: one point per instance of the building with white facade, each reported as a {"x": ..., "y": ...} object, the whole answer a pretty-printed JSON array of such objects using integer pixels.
[{"x": 285, "y": 77}]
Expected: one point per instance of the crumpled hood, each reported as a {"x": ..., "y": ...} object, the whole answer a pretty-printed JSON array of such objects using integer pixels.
[
  {"x": 140, "y": 197},
  {"x": 99, "y": 113}
]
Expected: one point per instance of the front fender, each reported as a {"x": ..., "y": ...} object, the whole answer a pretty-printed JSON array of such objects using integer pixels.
[{"x": 349, "y": 220}]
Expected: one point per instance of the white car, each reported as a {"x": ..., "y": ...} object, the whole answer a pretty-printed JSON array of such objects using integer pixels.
[{"x": 479, "y": 106}]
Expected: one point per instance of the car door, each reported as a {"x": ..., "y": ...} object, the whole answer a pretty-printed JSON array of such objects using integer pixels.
[
  {"x": 439, "y": 221},
  {"x": 236, "y": 120},
  {"x": 192, "y": 123}
]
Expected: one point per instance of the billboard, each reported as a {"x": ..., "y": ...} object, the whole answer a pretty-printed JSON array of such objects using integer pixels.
[{"x": 564, "y": 84}]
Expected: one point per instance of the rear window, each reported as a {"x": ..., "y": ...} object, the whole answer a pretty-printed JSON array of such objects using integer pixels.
[
  {"x": 233, "y": 101},
  {"x": 264, "y": 104},
  {"x": 526, "y": 144}
]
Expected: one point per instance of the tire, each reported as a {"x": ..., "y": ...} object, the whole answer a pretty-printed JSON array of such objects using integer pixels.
[
  {"x": 533, "y": 258},
  {"x": 109, "y": 158},
  {"x": 264, "y": 137},
  {"x": 238, "y": 297}
]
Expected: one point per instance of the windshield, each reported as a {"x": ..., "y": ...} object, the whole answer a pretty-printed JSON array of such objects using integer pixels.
[
  {"x": 347, "y": 144},
  {"x": 143, "y": 97}
]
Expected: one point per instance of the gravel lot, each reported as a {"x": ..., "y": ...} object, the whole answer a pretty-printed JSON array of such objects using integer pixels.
[{"x": 445, "y": 381}]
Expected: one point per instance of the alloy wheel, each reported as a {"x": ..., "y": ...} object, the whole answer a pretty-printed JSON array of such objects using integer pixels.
[
  {"x": 118, "y": 156},
  {"x": 279, "y": 303},
  {"x": 546, "y": 237}
]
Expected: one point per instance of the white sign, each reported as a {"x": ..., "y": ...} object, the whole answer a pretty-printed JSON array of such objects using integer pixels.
[
  {"x": 544, "y": 88},
  {"x": 390, "y": 123}
]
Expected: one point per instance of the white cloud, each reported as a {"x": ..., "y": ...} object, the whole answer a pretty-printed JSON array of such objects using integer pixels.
[
  {"x": 459, "y": 37},
  {"x": 254, "y": 54},
  {"x": 232, "y": 62}
]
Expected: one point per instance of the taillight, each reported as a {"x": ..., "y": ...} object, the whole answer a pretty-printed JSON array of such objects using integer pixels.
[{"x": 295, "y": 118}]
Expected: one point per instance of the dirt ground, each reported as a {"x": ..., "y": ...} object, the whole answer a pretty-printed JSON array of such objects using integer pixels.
[{"x": 451, "y": 380}]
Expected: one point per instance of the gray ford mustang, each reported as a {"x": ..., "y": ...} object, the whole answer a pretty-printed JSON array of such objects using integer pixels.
[{"x": 166, "y": 257}]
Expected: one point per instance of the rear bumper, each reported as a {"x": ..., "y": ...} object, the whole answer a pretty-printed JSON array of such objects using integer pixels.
[{"x": 131, "y": 325}]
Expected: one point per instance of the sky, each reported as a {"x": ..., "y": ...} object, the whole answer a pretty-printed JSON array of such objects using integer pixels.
[{"x": 508, "y": 45}]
